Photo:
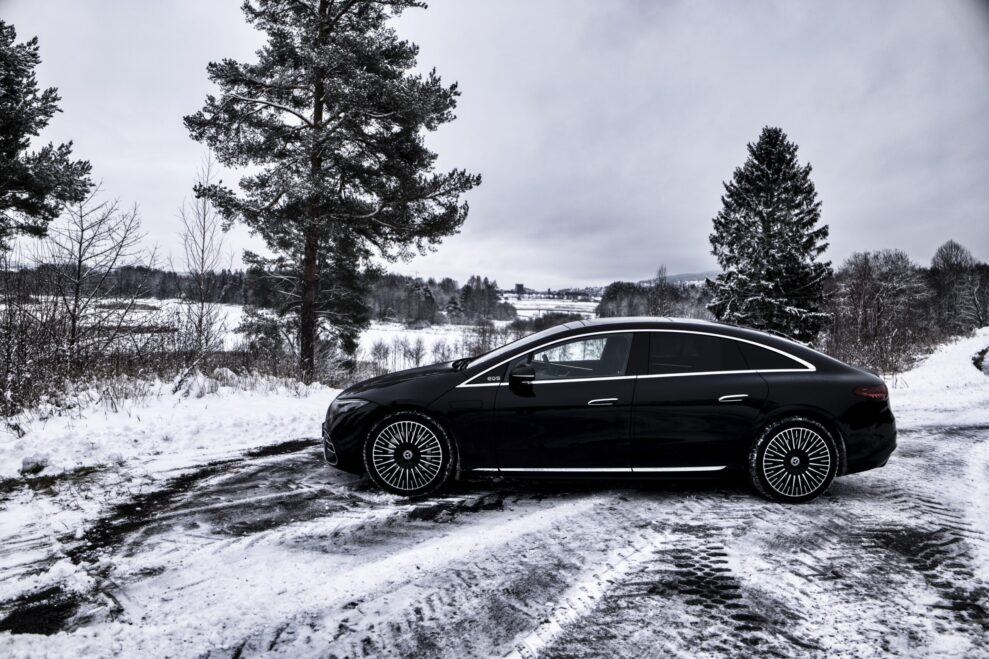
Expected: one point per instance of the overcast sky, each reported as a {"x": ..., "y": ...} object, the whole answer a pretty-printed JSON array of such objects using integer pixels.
[{"x": 603, "y": 129}]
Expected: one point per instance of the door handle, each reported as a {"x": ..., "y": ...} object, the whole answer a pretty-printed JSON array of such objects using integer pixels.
[
  {"x": 602, "y": 401},
  {"x": 733, "y": 398}
]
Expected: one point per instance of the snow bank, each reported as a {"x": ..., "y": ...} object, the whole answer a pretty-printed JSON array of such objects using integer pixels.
[
  {"x": 946, "y": 381},
  {"x": 169, "y": 430}
]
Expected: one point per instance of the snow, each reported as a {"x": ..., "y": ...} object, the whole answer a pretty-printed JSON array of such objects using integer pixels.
[
  {"x": 388, "y": 333},
  {"x": 280, "y": 555},
  {"x": 163, "y": 430},
  {"x": 534, "y": 307},
  {"x": 946, "y": 383}
]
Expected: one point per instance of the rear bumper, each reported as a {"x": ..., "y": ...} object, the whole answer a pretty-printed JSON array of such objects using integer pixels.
[{"x": 870, "y": 447}]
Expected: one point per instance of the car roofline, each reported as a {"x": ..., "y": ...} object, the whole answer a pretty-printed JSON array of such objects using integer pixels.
[{"x": 648, "y": 325}]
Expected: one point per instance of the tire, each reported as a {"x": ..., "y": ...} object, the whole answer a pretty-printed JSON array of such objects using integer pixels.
[
  {"x": 793, "y": 460},
  {"x": 408, "y": 453}
]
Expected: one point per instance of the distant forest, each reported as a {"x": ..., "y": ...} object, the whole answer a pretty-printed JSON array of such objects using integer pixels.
[{"x": 391, "y": 297}]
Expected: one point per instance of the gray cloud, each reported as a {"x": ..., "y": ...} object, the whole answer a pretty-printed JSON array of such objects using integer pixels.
[{"x": 603, "y": 129}]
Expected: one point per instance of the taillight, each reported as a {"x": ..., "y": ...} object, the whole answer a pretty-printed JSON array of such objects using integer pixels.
[{"x": 873, "y": 392}]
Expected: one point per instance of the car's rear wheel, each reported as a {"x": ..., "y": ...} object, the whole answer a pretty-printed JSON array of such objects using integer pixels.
[
  {"x": 408, "y": 453},
  {"x": 793, "y": 460}
]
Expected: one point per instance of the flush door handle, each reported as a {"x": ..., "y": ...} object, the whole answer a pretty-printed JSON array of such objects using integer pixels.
[
  {"x": 602, "y": 401},
  {"x": 733, "y": 398}
]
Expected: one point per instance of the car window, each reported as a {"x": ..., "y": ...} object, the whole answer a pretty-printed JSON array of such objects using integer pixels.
[
  {"x": 764, "y": 359},
  {"x": 682, "y": 352},
  {"x": 538, "y": 337},
  {"x": 591, "y": 357}
]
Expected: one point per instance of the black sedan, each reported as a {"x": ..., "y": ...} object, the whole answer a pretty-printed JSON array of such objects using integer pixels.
[{"x": 619, "y": 397}]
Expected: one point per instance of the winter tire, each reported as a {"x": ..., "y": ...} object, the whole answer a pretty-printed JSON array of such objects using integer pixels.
[
  {"x": 793, "y": 460},
  {"x": 408, "y": 453}
]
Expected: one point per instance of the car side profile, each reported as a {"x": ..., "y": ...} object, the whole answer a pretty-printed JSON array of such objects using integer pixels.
[{"x": 619, "y": 398}]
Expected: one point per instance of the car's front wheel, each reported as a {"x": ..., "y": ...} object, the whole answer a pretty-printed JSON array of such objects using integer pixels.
[
  {"x": 408, "y": 453},
  {"x": 793, "y": 460}
]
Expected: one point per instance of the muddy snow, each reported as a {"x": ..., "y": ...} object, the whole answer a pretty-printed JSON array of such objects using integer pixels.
[{"x": 240, "y": 542}]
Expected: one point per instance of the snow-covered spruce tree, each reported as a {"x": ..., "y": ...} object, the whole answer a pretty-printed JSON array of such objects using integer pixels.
[
  {"x": 34, "y": 185},
  {"x": 331, "y": 121},
  {"x": 767, "y": 240}
]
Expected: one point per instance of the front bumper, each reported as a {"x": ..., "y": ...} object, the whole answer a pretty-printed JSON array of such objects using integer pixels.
[
  {"x": 329, "y": 450},
  {"x": 344, "y": 435}
]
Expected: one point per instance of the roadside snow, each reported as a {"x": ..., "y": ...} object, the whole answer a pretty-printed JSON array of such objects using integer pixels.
[
  {"x": 945, "y": 382},
  {"x": 163, "y": 430}
]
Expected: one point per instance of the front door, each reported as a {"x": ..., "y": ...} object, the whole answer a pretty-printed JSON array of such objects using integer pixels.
[
  {"x": 696, "y": 406},
  {"x": 575, "y": 415}
]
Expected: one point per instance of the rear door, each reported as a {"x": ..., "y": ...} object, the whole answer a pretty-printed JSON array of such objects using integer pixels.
[
  {"x": 575, "y": 416},
  {"x": 696, "y": 405}
]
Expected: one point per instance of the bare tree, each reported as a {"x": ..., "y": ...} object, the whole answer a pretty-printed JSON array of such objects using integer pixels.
[
  {"x": 201, "y": 321},
  {"x": 880, "y": 316},
  {"x": 29, "y": 360},
  {"x": 77, "y": 260},
  {"x": 956, "y": 283}
]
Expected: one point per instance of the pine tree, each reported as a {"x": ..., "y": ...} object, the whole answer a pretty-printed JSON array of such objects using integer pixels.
[
  {"x": 331, "y": 121},
  {"x": 767, "y": 241},
  {"x": 34, "y": 185}
]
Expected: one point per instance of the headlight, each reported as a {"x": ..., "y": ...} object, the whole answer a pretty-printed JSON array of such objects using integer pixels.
[{"x": 341, "y": 405}]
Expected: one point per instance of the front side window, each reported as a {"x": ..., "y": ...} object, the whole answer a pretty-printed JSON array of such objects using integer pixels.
[
  {"x": 684, "y": 353},
  {"x": 592, "y": 357}
]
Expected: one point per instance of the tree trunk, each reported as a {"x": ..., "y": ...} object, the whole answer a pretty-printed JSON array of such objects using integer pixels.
[
  {"x": 307, "y": 311},
  {"x": 310, "y": 263}
]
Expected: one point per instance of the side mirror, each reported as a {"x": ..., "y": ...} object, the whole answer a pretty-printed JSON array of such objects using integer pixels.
[{"x": 521, "y": 374}]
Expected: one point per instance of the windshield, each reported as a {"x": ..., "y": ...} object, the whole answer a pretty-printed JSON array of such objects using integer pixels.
[{"x": 508, "y": 348}]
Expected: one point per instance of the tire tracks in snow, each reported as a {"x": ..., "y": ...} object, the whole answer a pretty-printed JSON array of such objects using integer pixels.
[{"x": 472, "y": 604}]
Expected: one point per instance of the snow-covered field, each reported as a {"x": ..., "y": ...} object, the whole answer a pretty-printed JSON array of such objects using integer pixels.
[
  {"x": 184, "y": 526},
  {"x": 533, "y": 307}
]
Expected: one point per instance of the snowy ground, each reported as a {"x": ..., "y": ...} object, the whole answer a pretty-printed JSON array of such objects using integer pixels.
[{"x": 223, "y": 550}]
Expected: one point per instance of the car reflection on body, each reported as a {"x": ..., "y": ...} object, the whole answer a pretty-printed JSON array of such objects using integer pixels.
[{"x": 619, "y": 398}]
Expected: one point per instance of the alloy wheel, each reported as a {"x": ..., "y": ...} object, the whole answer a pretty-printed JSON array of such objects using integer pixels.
[
  {"x": 796, "y": 462},
  {"x": 407, "y": 455}
]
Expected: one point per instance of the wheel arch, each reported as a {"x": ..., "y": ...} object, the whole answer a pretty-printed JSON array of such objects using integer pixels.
[{"x": 384, "y": 410}]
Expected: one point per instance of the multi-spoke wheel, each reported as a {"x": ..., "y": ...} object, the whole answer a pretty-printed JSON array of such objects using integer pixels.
[
  {"x": 408, "y": 453},
  {"x": 793, "y": 460}
]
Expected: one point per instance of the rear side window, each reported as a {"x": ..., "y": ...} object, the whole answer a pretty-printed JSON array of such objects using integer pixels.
[
  {"x": 680, "y": 352},
  {"x": 764, "y": 359}
]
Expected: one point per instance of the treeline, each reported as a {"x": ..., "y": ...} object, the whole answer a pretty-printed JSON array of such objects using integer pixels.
[
  {"x": 884, "y": 310},
  {"x": 412, "y": 300},
  {"x": 225, "y": 286},
  {"x": 390, "y": 297},
  {"x": 661, "y": 297}
]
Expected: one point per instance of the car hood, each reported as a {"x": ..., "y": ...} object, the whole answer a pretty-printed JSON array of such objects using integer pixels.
[{"x": 436, "y": 377}]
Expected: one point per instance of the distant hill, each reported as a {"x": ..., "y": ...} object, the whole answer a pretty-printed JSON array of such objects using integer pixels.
[
  {"x": 597, "y": 291},
  {"x": 685, "y": 276}
]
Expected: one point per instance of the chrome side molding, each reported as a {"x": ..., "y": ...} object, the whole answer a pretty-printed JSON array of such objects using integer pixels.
[{"x": 598, "y": 470}]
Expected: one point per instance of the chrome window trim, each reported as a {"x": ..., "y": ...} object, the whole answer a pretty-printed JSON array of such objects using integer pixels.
[{"x": 808, "y": 366}]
